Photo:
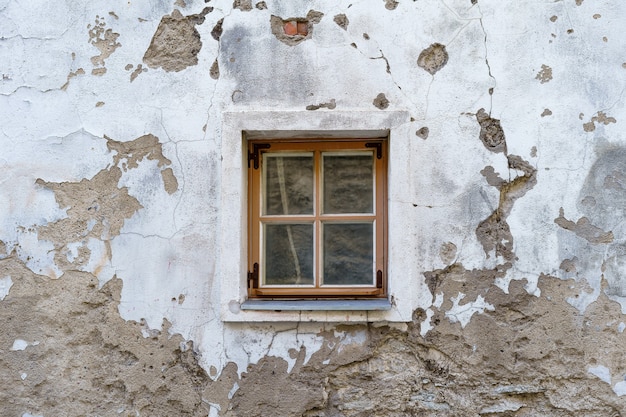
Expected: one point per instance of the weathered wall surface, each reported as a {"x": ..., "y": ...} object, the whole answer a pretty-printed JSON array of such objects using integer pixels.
[{"x": 110, "y": 152}]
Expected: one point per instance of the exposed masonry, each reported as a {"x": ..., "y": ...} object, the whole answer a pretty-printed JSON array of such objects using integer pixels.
[
  {"x": 601, "y": 117},
  {"x": 105, "y": 40},
  {"x": 545, "y": 74},
  {"x": 433, "y": 58},
  {"x": 330, "y": 105},
  {"x": 381, "y": 101},
  {"x": 583, "y": 228},
  {"x": 422, "y": 132},
  {"x": 71, "y": 75},
  {"x": 476, "y": 348},
  {"x": 342, "y": 21},
  {"x": 282, "y": 28},
  {"x": 391, "y": 4},
  {"x": 176, "y": 42}
]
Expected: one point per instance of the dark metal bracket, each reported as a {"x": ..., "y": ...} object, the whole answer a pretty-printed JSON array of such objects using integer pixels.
[
  {"x": 253, "y": 277},
  {"x": 378, "y": 146},
  {"x": 379, "y": 279},
  {"x": 254, "y": 155}
]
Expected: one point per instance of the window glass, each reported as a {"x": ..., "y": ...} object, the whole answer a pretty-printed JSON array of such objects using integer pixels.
[
  {"x": 348, "y": 183},
  {"x": 288, "y": 183},
  {"x": 288, "y": 254},
  {"x": 348, "y": 254}
]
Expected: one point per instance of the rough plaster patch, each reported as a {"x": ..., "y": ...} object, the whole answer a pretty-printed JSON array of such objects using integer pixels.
[
  {"x": 433, "y": 58},
  {"x": 545, "y": 74},
  {"x": 601, "y": 117},
  {"x": 90, "y": 349},
  {"x": 214, "y": 71},
  {"x": 170, "y": 183},
  {"x": 447, "y": 253},
  {"x": 342, "y": 21},
  {"x": 494, "y": 232},
  {"x": 137, "y": 71},
  {"x": 422, "y": 132},
  {"x": 381, "y": 101},
  {"x": 176, "y": 42},
  {"x": 132, "y": 152},
  {"x": 243, "y": 5},
  {"x": 502, "y": 407},
  {"x": 391, "y": 4},
  {"x": 97, "y": 208},
  {"x": 105, "y": 40},
  {"x": 584, "y": 229},
  {"x": 217, "y": 29},
  {"x": 569, "y": 265},
  {"x": 491, "y": 132},
  {"x": 71, "y": 75},
  {"x": 277, "y": 26},
  {"x": 5, "y": 286},
  {"x": 330, "y": 105}
]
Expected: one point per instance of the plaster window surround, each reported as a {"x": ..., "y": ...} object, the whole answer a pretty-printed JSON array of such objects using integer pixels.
[{"x": 238, "y": 129}]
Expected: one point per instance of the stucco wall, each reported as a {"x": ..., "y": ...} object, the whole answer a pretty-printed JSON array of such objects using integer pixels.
[{"x": 513, "y": 200}]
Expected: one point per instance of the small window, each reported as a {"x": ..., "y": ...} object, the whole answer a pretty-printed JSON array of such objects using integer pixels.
[{"x": 317, "y": 218}]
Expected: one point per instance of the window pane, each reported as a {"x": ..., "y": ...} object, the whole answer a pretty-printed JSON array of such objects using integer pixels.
[
  {"x": 288, "y": 254},
  {"x": 348, "y": 183},
  {"x": 288, "y": 184},
  {"x": 348, "y": 254}
]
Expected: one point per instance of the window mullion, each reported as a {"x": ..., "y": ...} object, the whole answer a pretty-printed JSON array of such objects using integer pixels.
[{"x": 318, "y": 224}]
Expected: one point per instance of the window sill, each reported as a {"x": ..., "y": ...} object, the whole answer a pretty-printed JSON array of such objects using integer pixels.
[{"x": 379, "y": 304}]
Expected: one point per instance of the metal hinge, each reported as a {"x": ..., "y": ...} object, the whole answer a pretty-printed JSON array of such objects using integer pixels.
[
  {"x": 254, "y": 155},
  {"x": 253, "y": 277},
  {"x": 379, "y": 279},
  {"x": 378, "y": 146}
]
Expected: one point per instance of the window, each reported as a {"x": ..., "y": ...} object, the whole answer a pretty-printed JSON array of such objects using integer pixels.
[
  {"x": 317, "y": 218},
  {"x": 404, "y": 288}
]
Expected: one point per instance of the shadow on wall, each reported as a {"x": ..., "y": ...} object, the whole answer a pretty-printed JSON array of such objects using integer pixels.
[{"x": 600, "y": 248}]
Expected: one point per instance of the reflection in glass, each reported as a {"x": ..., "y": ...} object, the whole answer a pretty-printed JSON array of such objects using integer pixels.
[
  {"x": 288, "y": 182},
  {"x": 348, "y": 183},
  {"x": 288, "y": 254},
  {"x": 348, "y": 254}
]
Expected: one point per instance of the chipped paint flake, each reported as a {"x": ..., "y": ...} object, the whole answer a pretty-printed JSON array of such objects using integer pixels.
[
  {"x": 462, "y": 313},
  {"x": 601, "y": 372},
  {"x": 19, "y": 344},
  {"x": 5, "y": 286}
]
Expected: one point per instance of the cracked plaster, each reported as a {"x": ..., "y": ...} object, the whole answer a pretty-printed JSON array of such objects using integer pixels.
[{"x": 151, "y": 252}]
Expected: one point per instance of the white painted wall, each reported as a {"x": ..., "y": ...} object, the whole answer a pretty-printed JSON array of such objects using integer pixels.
[{"x": 177, "y": 243}]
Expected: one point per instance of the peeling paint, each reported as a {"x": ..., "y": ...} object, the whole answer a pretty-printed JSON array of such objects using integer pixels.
[
  {"x": 280, "y": 27},
  {"x": 583, "y": 228},
  {"x": 433, "y": 58},
  {"x": 545, "y": 75},
  {"x": 105, "y": 40},
  {"x": 381, "y": 101},
  {"x": 176, "y": 42},
  {"x": 111, "y": 249}
]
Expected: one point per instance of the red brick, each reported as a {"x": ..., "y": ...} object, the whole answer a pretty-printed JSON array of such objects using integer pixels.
[
  {"x": 290, "y": 28},
  {"x": 303, "y": 28}
]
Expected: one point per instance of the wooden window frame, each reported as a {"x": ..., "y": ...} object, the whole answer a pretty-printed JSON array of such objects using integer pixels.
[{"x": 257, "y": 148}]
